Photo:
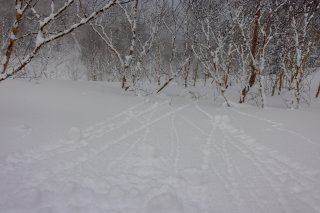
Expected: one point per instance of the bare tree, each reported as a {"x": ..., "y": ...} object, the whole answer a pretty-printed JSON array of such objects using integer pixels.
[
  {"x": 126, "y": 60},
  {"x": 298, "y": 48},
  {"x": 257, "y": 41},
  {"x": 44, "y": 35}
]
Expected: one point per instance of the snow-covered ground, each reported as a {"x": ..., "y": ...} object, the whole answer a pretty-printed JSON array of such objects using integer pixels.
[{"x": 90, "y": 147}]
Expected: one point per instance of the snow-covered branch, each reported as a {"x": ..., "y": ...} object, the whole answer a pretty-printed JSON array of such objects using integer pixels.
[{"x": 41, "y": 39}]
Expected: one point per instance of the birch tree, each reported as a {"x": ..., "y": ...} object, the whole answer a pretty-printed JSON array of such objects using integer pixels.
[
  {"x": 124, "y": 59},
  {"x": 214, "y": 47},
  {"x": 294, "y": 65},
  {"x": 257, "y": 41},
  {"x": 42, "y": 35}
]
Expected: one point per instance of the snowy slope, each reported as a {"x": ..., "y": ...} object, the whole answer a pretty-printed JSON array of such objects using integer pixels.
[{"x": 89, "y": 147}]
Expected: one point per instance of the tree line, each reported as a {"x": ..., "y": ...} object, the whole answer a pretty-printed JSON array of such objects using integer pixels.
[{"x": 265, "y": 47}]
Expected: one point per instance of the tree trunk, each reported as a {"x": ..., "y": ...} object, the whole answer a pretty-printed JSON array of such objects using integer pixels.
[
  {"x": 246, "y": 89},
  {"x": 275, "y": 85},
  {"x": 226, "y": 79},
  {"x": 280, "y": 83},
  {"x": 165, "y": 84},
  {"x": 317, "y": 95},
  {"x": 186, "y": 73},
  {"x": 158, "y": 76},
  {"x": 124, "y": 83},
  {"x": 254, "y": 46},
  {"x": 206, "y": 76},
  {"x": 261, "y": 91},
  {"x": 195, "y": 73},
  {"x": 13, "y": 37}
]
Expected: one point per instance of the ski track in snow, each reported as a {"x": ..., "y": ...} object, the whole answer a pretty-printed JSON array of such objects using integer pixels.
[
  {"x": 228, "y": 179},
  {"x": 86, "y": 139},
  {"x": 176, "y": 147},
  {"x": 250, "y": 177},
  {"x": 278, "y": 126},
  {"x": 276, "y": 169},
  {"x": 85, "y": 149},
  {"x": 293, "y": 184}
]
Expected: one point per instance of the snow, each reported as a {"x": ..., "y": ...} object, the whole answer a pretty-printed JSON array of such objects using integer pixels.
[
  {"x": 36, "y": 14},
  {"x": 12, "y": 36},
  {"x": 47, "y": 19},
  {"x": 90, "y": 147},
  {"x": 4, "y": 59},
  {"x": 3, "y": 76},
  {"x": 74, "y": 134},
  {"x": 128, "y": 59},
  {"x": 165, "y": 203},
  {"x": 40, "y": 39},
  {"x": 84, "y": 20},
  {"x": 19, "y": 8}
]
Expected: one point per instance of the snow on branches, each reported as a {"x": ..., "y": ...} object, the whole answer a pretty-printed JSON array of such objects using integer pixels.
[{"x": 43, "y": 37}]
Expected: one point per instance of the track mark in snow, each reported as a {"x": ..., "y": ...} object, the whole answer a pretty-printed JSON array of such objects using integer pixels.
[
  {"x": 206, "y": 150},
  {"x": 294, "y": 187},
  {"x": 277, "y": 126},
  {"x": 217, "y": 144},
  {"x": 243, "y": 152},
  {"x": 132, "y": 146},
  {"x": 291, "y": 183},
  {"x": 74, "y": 140},
  {"x": 77, "y": 139},
  {"x": 176, "y": 148},
  {"x": 68, "y": 154},
  {"x": 135, "y": 143},
  {"x": 116, "y": 122},
  {"x": 234, "y": 172},
  {"x": 92, "y": 151}
]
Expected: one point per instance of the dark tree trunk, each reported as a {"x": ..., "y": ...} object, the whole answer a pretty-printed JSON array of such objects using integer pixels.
[{"x": 317, "y": 95}]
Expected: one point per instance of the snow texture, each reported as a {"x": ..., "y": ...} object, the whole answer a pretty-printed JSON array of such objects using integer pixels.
[
  {"x": 89, "y": 147},
  {"x": 40, "y": 39}
]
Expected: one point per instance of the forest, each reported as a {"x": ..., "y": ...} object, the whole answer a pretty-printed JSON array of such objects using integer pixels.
[
  {"x": 159, "y": 106},
  {"x": 265, "y": 48}
]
